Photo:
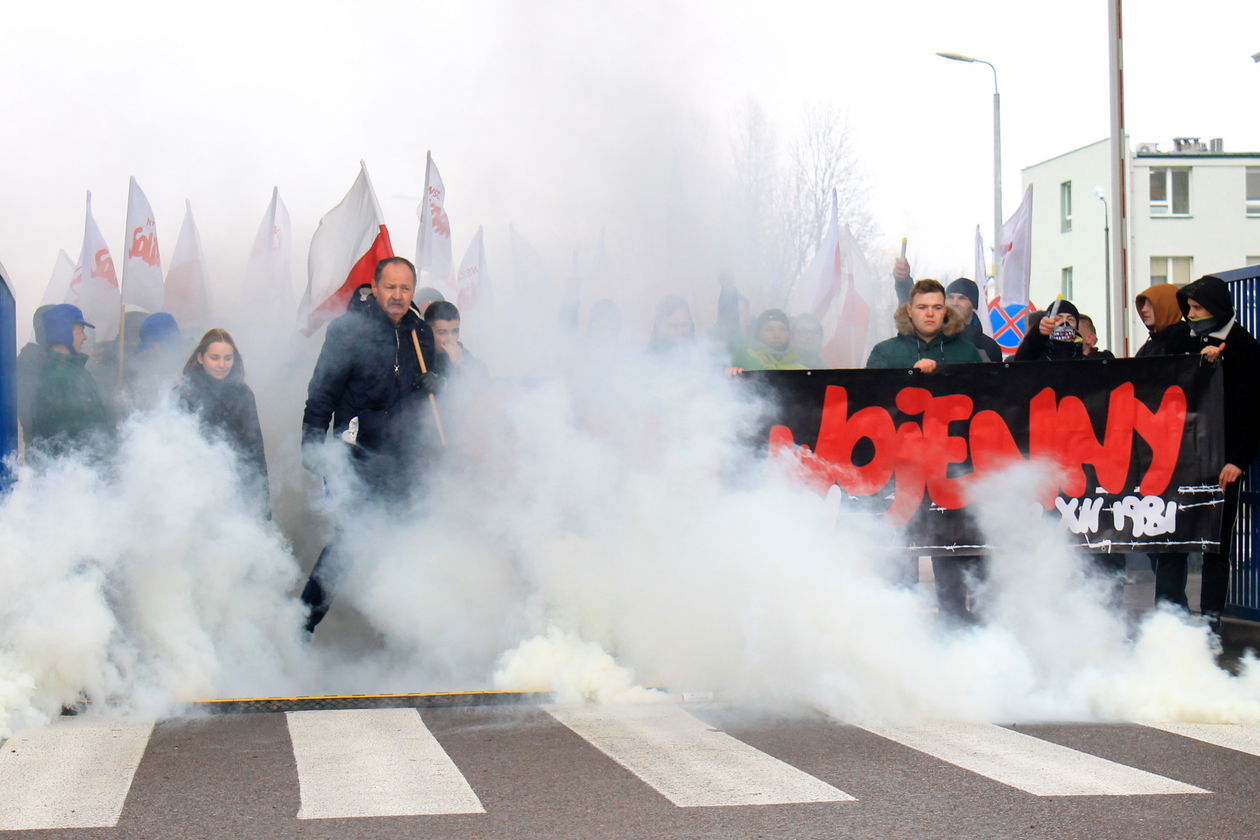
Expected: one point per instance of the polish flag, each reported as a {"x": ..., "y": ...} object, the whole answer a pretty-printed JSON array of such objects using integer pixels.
[
  {"x": 1015, "y": 253},
  {"x": 94, "y": 287},
  {"x": 982, "y": 282},
  {"x": 433, "y": 240},
  {"x": 268, "y": 272},
  {"x": 142, "y": 268},
  {"x": 473, "y": 279},
  {"x": 187, "y": 284},
  {"x": 58, "y": 288},
  {"x": 350, "y": 240}
]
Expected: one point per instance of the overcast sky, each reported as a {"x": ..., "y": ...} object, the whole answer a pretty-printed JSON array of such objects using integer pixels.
[{"x": 565, "y": 118}]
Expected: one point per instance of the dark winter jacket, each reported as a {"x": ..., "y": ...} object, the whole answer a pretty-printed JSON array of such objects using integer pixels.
[
  {"x": 227, "y": 410},
  {"x": 1170, "y": 335},
  {"x": 989, "y": 349},
  {"x": 368, "y": 369},
  {"x": 1240, "y": 367},
  {"x": 903, "y": 350},
  {"x": 67, "y": 413},
  {"x": 1037, "y": 347}
]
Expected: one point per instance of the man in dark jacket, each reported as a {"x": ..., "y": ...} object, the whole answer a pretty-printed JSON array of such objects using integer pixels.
[
  {"x": 369, "y": 386},
  {"x": 929, "y": 335},
  {"x": 964, "y": 295},
  {"x": 1207, "y": 305},
  {"x": 1168, "y": 335},
  {"x": 67, "y": 413},
  {"x": 1053, "y": 336}
]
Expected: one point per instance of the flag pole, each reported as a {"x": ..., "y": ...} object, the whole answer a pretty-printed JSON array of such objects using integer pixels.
[
  {"x": 422, "y": 244},
  {"x": 437, "y": 416},
  {"x": 122, "y": 338}
]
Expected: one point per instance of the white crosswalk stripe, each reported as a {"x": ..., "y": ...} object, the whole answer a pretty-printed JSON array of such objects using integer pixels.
[
  {"x": 73, "y": 774},
  {"x": 1027, "y": 763},
  {"x": 374, "y": 763},
  {"x": 689, "y": 762},
  {"x": 1244, "y": 738}
]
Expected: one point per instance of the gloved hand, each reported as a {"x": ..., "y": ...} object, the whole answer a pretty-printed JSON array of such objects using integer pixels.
[{"x": 430, "y": 383}]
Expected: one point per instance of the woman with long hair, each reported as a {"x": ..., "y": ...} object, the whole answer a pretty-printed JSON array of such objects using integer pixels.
[{"x": 213, "y": 389}]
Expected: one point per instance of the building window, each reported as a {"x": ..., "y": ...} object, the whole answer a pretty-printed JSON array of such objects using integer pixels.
[
  {"x": 1171, "y": 270},
  {"x": 1065, "y": 207},
  {"x": 1065, "y": 282},
  {"x": 1253, "y": 190},
  {"x": 1170, "y": 190}
]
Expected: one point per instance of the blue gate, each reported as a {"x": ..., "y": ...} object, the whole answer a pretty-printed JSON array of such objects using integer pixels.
[{"x": 1244, "y": 581}]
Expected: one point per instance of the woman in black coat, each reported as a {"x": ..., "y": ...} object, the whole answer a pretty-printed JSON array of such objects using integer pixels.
[{"x": 213, "y": 389}]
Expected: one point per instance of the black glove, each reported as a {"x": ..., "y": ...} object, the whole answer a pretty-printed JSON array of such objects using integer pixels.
[{"x": 430, "y": 383}]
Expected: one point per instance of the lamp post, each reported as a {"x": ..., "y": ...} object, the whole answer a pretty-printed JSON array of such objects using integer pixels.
[
  {"x": 997, "y": 154},
  {"x": 1098, "y": 191}
]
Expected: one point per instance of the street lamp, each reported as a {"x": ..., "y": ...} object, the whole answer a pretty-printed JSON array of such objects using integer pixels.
[
  {"x": 997, "y": 153},
  {"x": 1098, "y": 191}
]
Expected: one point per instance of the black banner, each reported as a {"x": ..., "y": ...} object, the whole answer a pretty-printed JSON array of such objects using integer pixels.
[{"x": 1139, "y": 444}]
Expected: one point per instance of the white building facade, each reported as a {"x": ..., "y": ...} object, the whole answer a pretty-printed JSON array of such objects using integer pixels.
[{"x": 1192, "y": 210}]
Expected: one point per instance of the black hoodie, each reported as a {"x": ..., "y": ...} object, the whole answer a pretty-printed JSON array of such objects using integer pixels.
[{"x": 1240, "y": 367}]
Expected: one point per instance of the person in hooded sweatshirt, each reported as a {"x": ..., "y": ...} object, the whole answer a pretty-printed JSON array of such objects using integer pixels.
[
  {"x": 1207, "y": 305},
  {"x": 67, "y": 412},
  {"x": 1168, "y": 334},
  {"x": 964, "y": 295},
  {"x": 770, "y": 346},
  {"x": 213, "y": 390},
  {"x": 1052, "y": 336}
]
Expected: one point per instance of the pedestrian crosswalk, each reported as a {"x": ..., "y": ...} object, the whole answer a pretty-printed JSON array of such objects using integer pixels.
[{"x": 352, "y": 764}]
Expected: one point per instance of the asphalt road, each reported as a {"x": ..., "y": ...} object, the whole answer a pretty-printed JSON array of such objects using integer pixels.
[{"x": 667, "y": 771}]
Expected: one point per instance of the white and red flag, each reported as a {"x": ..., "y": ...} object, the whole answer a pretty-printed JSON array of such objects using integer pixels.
[
  {"x": 187, "y": 281},
  {"x": 473, "y": 279},
  {"x": 268, "y": 272},
  {"x": 58, "y": 288},
  {"x": 1015, "y": 253},
  {"x": 350, "y": 240},
  {"x": 94, "y": 287},
  {"x": 433, "y": 240},
  {"x": 142, "y": 265}
]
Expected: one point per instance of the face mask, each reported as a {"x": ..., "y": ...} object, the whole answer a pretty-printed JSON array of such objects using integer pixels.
[
  {"x": 1203, "y": 326},
  {"x": 1065, "y": 333}
]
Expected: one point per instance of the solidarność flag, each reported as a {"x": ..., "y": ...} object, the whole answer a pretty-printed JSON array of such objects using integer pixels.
[
  {"x": 94, "y": 287},
  {"x": 142, "y": 265}
]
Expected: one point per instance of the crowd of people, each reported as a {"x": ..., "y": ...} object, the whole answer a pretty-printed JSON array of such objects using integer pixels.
[{"x": 385, "y": 361}]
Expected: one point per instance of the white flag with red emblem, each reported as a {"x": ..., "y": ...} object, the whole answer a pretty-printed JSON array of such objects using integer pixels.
[
  {"x": 433, "y": 241},
  {"x": 58, "y": 288},
  {"x": 187, "y": 281},
  {"x": 268, "y": 272},
  {"x": 1015, "y": 253},
  {"x": 473, "y": 279},
  {"x": 350, "y": 240},
  {"x": 142, "y": 267},
  {"x": 94, "y": 287}
]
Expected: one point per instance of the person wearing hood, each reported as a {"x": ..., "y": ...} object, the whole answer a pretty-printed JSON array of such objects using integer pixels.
[
  {"x": 1167, "y": 334},
  {"x": 1209, "y": 309},
  {"x": 368, "y": 385},
  {"x": 930, "y": 334},
  {"x": 67, "y": 412},
  {"x": 964, "y": 295},
  {"x": 770, "y": 348},
  {"x": 1053, "y": 336},
  {"x": 213, "y": 390},
  {"x": 30, "y": 360}
]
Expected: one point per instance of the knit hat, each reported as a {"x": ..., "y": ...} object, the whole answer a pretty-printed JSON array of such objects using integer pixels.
[
  {"x": 1065, "y": 307},
  {"x": 59, "y": 322},
  {"x": 964, "y": 286},
  {"x": 158, "y": 328},
  {"x": 768, "y": 316}
]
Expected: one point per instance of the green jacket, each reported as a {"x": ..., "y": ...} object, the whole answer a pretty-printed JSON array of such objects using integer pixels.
[
  {"x": 67, "y": 412},
  {"x": 903, "y": 350}
]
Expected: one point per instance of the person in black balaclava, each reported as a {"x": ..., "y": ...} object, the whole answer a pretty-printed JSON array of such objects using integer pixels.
[
  {"x": 1054, "y": 336},
  {"x": 964, "y": 295},
  {"x": 1207, "y": 305}
]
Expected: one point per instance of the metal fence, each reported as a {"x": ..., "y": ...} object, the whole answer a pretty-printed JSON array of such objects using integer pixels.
[{"x": 1244, "y": 584}]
